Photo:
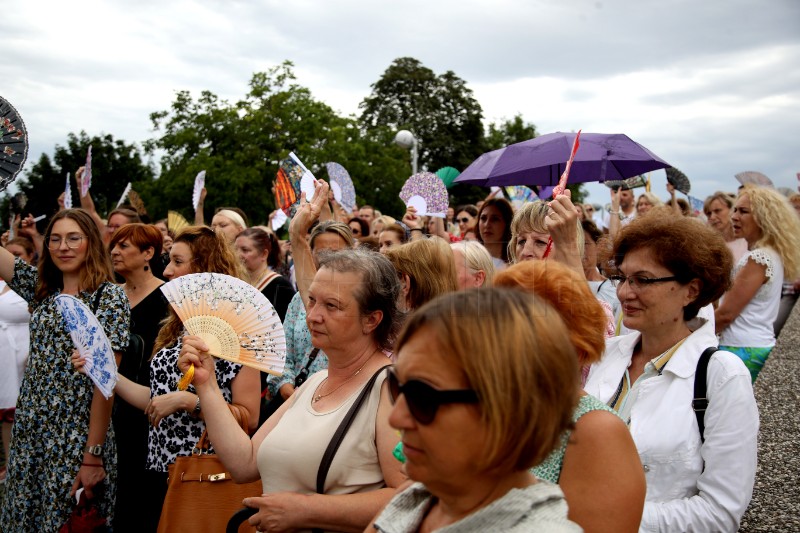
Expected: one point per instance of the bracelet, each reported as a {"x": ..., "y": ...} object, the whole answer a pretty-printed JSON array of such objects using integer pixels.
[
  {"x": 613, "y": 212},
  {"x": 415, "y": 229},
  {"x": 90, "y": 464},
  {"x": 196, "y": 411}
]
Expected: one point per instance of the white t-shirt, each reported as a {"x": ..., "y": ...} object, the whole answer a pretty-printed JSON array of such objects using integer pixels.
[{"x": 753, "y": 328}]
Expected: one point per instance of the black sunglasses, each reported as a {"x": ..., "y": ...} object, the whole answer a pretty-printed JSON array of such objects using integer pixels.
[
  {"x": 423, "y": 400},
  {"x": 463, "y": 220}
]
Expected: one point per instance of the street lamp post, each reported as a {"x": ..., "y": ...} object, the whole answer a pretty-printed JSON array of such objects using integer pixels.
[{"x": 405, "y": 139}]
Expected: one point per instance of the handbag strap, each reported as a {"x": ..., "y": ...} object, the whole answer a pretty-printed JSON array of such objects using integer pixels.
[
  {"x": 97, "y": 296},
  {"x": 338, "y": 437},
  {"x": 700, "y": 401},
  {"x": 241, "y": 416}
]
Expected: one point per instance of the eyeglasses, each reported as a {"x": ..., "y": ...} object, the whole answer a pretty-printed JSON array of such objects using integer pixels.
[
  {"x": 423, "y": 400},
  {"x": 637, "y": 282},
  {"x": 73, "y": 241},
  {"x": 463, "y": 220}
]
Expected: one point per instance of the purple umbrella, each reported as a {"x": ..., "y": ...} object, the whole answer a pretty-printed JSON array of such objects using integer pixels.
[{"x": 540, "y": 161}]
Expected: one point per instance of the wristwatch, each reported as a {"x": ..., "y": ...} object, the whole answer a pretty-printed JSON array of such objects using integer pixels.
[{"x": 96, "y": 450}]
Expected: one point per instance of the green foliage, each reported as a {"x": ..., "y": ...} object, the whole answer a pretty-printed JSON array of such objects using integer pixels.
[
  {"x": 439, "y": 110},
  {"x": 509, "y": 132},
  {"x": 114, "y": 164},
  {"x": 240, "y": 145}
]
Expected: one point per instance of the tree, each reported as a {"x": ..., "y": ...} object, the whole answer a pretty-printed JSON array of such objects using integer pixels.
[
  {"x": 240, "y": 146},
  {"x": 509, "y": 132},
  {"x": 440, "y": 110},
  {"x": 114, "y": 164}
]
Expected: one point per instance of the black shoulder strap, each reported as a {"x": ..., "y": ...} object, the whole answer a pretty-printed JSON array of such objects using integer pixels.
[
  {"x": 338, "y": 437},
  {"x": 700, "y": 401},
  {"x": 97, "y": 296},
  {"x": 311, "y": 356}
]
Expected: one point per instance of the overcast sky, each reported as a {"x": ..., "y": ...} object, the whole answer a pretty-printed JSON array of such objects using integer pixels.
[{"x": 711, "y": 86}]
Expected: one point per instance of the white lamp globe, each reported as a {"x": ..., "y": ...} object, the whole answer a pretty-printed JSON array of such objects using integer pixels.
[{"x": 404, "y": 139}]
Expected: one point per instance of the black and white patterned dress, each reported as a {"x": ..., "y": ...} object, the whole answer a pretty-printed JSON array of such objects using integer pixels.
[{"x": 179, "y": 432}]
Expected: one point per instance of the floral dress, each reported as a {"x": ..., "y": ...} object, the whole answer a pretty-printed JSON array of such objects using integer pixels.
[
  {"x": 179, "y": 432},
  {"x": 52, "y": 419}
]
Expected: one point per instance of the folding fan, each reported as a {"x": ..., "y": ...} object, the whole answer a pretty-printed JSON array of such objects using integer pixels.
[
  {"x": 68, "y": 194},
  {"x": 176, "y": 222},
  {"x": 293, "y": 178},
  {"x": 756, "y": 178},
  {"x": 86, "y": 181},
  {"x": 124, "y": 194},
  {"x": 447, "y": 175},
  {"x": 426, "y": 193},
  {"x": 519, "y": 195},
  {"x": 199, "y": 183},
  {"x": 342, "y": 186},
  {"x": 629, "y": 183},
  {"x": 91, "y": 342},
  {"x": 232, "y": 317},
  {"x": 13, "y": 143}
]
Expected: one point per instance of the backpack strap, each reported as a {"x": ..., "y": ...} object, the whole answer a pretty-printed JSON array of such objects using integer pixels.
[
  {"x": 700, "y": 401},
  {"x": 97, "y": 296}
]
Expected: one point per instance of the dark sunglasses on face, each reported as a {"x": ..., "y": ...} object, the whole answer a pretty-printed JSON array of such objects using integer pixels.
[
  {"x": 463, "y": 220},
  {"x": 423, "y": 400}
]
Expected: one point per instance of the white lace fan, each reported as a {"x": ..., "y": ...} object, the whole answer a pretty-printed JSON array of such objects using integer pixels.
[{"x": 234, "y": 319}]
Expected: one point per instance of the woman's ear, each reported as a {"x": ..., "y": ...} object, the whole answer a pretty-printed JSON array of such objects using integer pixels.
[
  {"x": 480, "y": 278},
  {"x": 149, "y": 253},
  {"x": 371, "y": 321},
  {"x": 694, "y": 287}
]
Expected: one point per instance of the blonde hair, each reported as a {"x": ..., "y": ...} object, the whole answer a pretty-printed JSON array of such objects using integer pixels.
[
  {"x": 477, "y": 259},
  {"x": 654, "y": 200},
  {"x": 514, "y": 350},
  {"x": 531, "y": 217},
  {"x": 386, "y": 220},
  {"x": 780, "y": 226},
  {"x": 430, "y": 266}
]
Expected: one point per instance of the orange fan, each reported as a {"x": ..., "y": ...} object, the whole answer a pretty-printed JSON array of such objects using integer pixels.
[{"x": 232, "y": 317}]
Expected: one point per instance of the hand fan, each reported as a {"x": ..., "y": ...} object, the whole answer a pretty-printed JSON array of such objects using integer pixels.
[
  {"x": 447, "y": 175},
  {"x": 232, "y": 317},
  {"x": 519, "y": 194},
  {"x": 293, "y": 179},
  {"x": 86, "y": 182},
  {"x": 14, "y": 143},
  {"x": 342, "y": 186},
  {"x": 278, "y": 220},
  {"x": 68, "y": 194},
  {"x": 678, "y": 179},
  {"x": 199, "y": 183},
  {"x": 124, "y": 194},
  {"x": 176, "y": 222},
  {"x": 426, "y": 193},
  {"x": 137, "y": 203},
  {"x": 91, "y": 342},
  {"x": 630, "y": 183},
  {"x": 756, "y": 178}
]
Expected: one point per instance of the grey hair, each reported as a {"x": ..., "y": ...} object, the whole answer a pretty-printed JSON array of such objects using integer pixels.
[{"x": 379, "y": 290}]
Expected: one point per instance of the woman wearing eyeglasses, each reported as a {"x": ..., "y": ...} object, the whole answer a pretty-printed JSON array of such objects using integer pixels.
[
  {"x": 353, "y": 318},
  {"x": 668, "y": 269},
  {"x": 62, "y": 438},
  {"x": 480, "y": 396},
  {"x": 467, "y": 219}
]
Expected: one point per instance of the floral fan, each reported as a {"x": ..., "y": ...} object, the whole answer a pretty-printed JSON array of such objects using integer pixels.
[
  {"x": 519, "y": 195},
  {"x": 91, "y": 342},
  {"x": 342, "y": 186},
  {"x": 232, "y": 317},
  {"x": 13, "y": 143},
  {"x": 86, "y": 181},
  {"x": 426, "y": 193},
  {"x": 756, "y": 178}
]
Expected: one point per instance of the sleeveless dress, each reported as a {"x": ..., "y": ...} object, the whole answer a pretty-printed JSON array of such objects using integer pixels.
[
  {"x": 14, "y": 345},
  {"x": 52, "y": 418},
  {"x": 550, "y": 468}
]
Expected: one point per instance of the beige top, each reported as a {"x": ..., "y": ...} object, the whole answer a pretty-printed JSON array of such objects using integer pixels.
[{"x": 289, "y": 457}]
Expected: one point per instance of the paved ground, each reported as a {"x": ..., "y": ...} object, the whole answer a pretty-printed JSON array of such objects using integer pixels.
[{"x": 776, "y": 498}]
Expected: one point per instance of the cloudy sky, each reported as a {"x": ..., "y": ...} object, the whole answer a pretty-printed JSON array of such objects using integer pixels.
[{"x": 711, "y": 86}]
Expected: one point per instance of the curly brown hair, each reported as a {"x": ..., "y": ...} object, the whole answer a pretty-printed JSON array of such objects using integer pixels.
[
  {"x": 684, "y": 246},
  {"x": 210, "y": 253},
  {"x": 96, "y": 269}
]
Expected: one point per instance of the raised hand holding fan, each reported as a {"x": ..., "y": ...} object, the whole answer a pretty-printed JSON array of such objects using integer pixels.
[
  {"x": 199, "y": 183},
  {"x": 232, "y": 317},
  {"x": 292, "y": 180},
  {"x": 91, "y": 341},
  {"x": 426, "y": 193}
]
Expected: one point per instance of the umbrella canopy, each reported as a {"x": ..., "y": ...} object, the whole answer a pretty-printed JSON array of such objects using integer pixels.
[{"x": 541, "y": 161}]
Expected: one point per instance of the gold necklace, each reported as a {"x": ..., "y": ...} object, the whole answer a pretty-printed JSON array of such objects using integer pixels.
[{"x": 318, "y": 397}]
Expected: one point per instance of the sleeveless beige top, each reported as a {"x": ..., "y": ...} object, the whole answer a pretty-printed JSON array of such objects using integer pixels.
[{"x": 289, "y": 457}]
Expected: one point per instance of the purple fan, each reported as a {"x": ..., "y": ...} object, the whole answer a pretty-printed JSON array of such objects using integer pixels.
[
  {"x": 342, "y": 186},
  {"x": 426, "y": 193}
]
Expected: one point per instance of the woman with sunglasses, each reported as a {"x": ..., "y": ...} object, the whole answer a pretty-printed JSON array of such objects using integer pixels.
[
  {"x": 668, "y": 268},
  {"x": 480, "y": 396},
  {"x": 353, "y": 317},
  {"x": 62, "y": 439},
  {"x": 467, "y": 219}
]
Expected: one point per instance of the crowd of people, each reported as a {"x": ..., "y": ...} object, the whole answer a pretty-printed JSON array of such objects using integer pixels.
[{"x": 509, "y": 369}]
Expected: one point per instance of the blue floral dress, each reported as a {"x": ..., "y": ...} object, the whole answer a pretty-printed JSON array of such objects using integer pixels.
[{"x": 52, "y": 419}]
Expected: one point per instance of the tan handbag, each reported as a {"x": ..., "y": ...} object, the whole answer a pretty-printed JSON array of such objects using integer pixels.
[{"x": 201, "y": 494}]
